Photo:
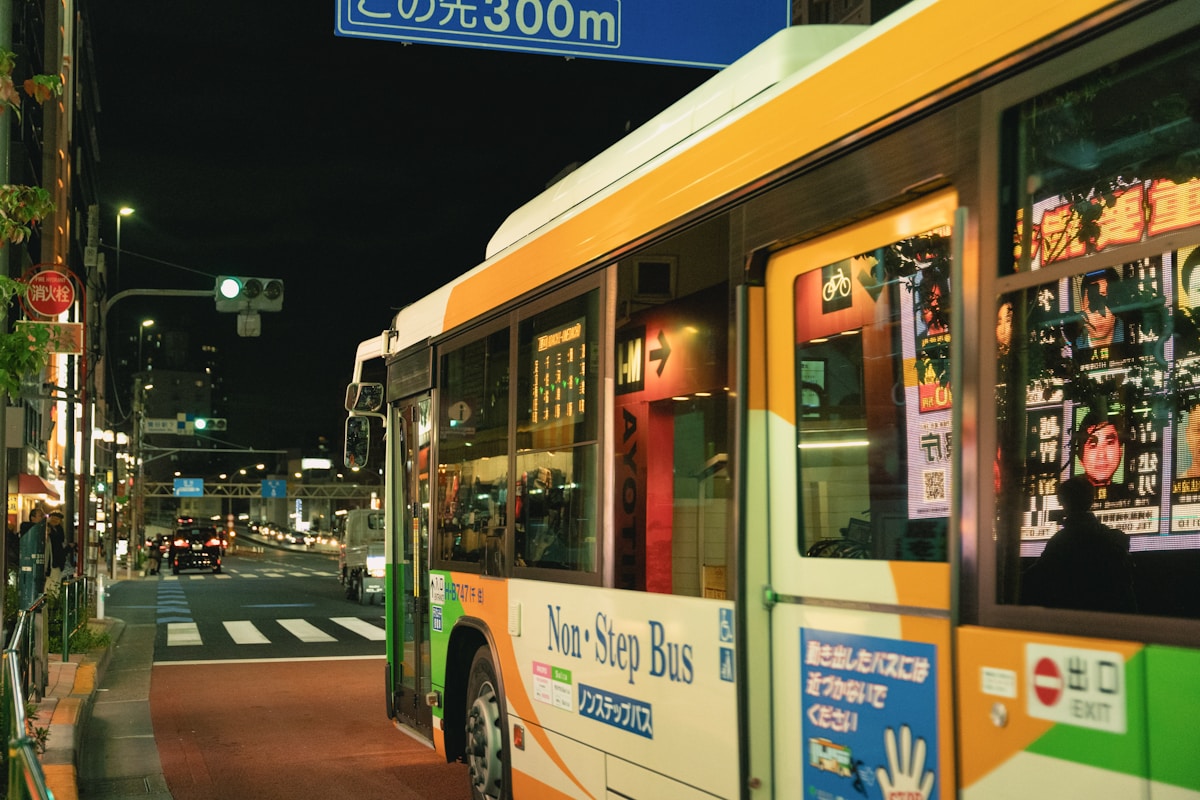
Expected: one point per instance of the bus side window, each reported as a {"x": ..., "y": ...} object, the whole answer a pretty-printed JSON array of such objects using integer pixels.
[
  {"x": 472, "y": 447},
  {"x": 1097, "y": 386},
  {"x": 673, "y": 491},
  {"x": 554, "y": 507}
]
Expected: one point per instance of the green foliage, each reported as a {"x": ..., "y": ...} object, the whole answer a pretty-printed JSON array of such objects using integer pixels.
[
  {"x": 40, "y": 87},
  {"x": 22, "y": 207},
  {"x": 84, "y": 639},
  {"x": 23, "y": 352}
]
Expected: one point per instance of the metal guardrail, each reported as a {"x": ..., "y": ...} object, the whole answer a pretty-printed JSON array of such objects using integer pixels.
[
  {"x": 24, "y": 672},
  {"x": 75, "y": 599},
  {"x": 25, "y": 776}
]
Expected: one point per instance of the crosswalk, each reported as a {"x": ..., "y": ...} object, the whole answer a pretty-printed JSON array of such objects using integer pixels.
[
  {"x": 187, "y": 633},
  {"x": 261, "y": 573},
  {"x": 174, "y": 613}
]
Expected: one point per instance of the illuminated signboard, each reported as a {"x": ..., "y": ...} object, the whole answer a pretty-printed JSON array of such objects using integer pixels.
[
  {"x": 1139, "y": 211},
  {"x": 1139, "y": 444},
  {"x": 559, "y": 375}
]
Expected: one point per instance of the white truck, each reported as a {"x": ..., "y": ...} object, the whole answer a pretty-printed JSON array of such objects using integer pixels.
[{"x": 362, "y": 555}]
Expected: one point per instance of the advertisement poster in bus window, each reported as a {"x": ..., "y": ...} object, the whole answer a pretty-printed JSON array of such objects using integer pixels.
[
  {"x": 1185, "y": 483},
  {"x": 1107, "y": 431},
  {"x": 868, "y": 717},
  {"x": 925, "y": 342},
  {"x": 1118, "y": 446}
]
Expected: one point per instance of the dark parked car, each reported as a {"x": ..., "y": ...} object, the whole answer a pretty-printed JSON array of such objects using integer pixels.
[{"x": 196, "y": 547}]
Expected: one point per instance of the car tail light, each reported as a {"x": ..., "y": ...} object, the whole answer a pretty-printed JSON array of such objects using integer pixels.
[
  {"x": 181, "y": 542},
  {"x": 213, "y": 543}
]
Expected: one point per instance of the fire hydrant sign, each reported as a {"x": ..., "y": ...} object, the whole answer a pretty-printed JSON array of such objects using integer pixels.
[{"x": 50, "y": 293}]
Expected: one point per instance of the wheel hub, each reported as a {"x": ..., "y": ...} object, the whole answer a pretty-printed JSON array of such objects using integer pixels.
[{"x": 483, "y": 743}]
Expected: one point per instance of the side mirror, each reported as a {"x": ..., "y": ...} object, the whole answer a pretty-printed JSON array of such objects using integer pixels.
[
  {"x": 364, "y": 397},
  {"x": 358, "y": 441}
]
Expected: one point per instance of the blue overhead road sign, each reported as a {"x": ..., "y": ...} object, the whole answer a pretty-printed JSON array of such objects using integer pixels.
[
  {"x": 274, "y": 487},
  {"x": 189, "y": 487},
  {"x": 698, "y": 33}
]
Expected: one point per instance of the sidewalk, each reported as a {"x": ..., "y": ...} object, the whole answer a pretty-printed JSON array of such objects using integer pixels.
[{"x": 101, "y": 744}]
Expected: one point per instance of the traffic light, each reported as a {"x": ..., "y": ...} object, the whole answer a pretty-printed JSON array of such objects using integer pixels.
[
  {"x": 237, "y": 293},
  {"x": 209, "y": 423}
]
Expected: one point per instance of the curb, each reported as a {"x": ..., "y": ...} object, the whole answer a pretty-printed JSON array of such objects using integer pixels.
[{"x": 69, "y": 713}]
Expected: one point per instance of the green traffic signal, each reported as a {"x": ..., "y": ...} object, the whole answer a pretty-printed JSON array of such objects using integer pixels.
[{"x": 244, "y": 294}]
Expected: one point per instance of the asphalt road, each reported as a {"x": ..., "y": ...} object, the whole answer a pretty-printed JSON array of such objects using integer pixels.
[{"x": 268, "y": 683}]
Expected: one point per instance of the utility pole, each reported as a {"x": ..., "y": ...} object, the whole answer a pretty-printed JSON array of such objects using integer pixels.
[
  {"x": 137, "y": 515},
  {"x": 6, "y": 26}
]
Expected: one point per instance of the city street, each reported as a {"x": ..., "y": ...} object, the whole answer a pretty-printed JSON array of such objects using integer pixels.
[{"x": 268, "y": 683}]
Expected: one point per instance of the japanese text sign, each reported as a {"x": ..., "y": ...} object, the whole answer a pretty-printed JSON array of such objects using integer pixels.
[{"x": 711, "y": 33}]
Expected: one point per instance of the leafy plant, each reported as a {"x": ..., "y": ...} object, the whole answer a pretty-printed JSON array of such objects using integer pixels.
[
  {"x": 39, "y": 735},
  {"x": 25, "y": 352}
]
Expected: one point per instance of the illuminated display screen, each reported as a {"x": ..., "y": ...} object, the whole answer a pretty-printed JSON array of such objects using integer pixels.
[
  {"x": 1111, "y": 392},
  {"x": 559, "y": 375}
]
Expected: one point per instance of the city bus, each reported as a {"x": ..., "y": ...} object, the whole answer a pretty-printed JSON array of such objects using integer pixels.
[{"x": 731, "y": 469}]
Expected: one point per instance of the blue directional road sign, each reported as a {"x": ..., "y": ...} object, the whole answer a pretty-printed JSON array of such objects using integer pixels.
[
  {"x": 699, "y": 33},
  {"x": 189, "y": 487},
  {"x": 273, "y": 487}
]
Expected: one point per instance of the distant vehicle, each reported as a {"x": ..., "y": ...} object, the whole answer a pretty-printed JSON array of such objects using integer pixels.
[
  {"x": 196, "y": 547},
  {"x": 362, "y": 555}
]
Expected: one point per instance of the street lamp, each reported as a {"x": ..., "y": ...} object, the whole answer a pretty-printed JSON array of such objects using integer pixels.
[
  {"x": 228, "y": 478},
  {"x": 146, "y": 323},
  {"x": 123, "y": 211}
]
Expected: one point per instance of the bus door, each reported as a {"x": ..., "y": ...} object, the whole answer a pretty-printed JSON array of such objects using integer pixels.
[
  {"x": 858, "y": 436},
  {"x": 408, "y": 613}
]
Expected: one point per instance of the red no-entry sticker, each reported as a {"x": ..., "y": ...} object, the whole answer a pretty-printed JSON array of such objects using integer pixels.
[{"x": 1047, "y": 681}]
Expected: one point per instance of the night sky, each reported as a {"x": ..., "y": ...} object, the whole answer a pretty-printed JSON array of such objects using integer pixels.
[{"x": 253, "y": 141}]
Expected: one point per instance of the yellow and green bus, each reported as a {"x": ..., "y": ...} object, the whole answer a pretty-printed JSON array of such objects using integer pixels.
[{"x": 739, "y": 468}]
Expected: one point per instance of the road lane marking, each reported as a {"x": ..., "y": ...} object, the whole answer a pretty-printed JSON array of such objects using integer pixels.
[
  {"x": 244, "y": 632},
  {"x": 305, "y": 631},
  {"x": 362, "y": 628},
  {"x": 183, "y": 633}
]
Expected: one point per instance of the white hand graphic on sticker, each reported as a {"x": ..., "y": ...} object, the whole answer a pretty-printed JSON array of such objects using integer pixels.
[{"x": 908, "y": 779}]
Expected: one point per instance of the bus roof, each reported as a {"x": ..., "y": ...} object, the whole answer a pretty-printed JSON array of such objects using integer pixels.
[{"x": 696, "y": 151}]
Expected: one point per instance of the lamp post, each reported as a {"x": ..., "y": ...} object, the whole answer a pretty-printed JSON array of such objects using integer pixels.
[
  {"x": 143, "y": 325},
  {"x": 123, "y": 211}
]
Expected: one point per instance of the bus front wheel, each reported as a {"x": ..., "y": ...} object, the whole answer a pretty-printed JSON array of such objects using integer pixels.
[{"x": 485, "y": 730}]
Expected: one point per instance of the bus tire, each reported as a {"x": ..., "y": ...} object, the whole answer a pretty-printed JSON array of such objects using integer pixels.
[{"x": 486, "y": 748}]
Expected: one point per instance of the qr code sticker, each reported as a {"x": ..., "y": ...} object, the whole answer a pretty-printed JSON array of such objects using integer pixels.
[{"x": 935, "y": 485}]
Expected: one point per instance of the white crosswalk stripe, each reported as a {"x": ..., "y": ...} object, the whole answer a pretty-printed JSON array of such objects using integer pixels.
[
  {"x": 362, "y": 627},
  {"x": 183, "y": 633},
  {"x": 244, "y": 632},
  {"x": 305, "y": 631}
]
